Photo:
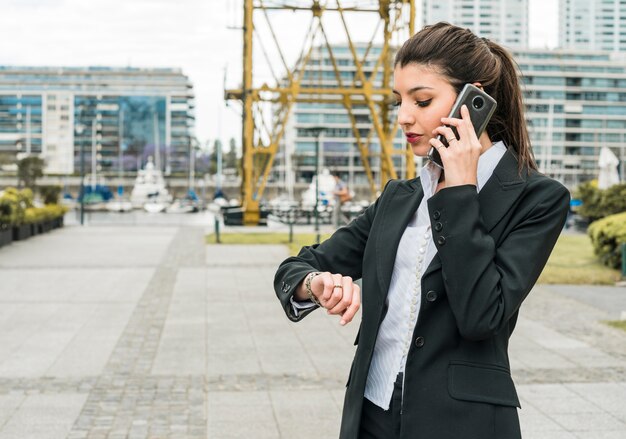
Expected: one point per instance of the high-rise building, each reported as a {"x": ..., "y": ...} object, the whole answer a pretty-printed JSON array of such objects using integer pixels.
[
  {"x": 120, "y": 114},
  {"x": 504, "y": 21},
  {"x": 593, "y": 25},
  {"x": 338, "y": 150},
  {"x": 575, "y": 104}
]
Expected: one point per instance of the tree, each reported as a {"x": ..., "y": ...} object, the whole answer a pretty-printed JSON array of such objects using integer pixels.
[
  {"x": 29, "y": 169},
  {"x": 217, "y": 145},
  {"x": 231, "y": 157}
]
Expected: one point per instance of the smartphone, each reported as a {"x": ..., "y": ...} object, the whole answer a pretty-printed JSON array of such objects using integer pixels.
[{"x": 481, "y": 107}]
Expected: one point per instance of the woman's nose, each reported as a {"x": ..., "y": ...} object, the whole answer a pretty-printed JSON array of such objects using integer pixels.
[{"x": 404, "y": 116}]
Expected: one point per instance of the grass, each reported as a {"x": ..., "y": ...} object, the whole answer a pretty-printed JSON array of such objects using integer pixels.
[
  {"x": 299, "y": 239},
  {"x": 573, "y": 262},
  {"x": 619, "y": 324}
]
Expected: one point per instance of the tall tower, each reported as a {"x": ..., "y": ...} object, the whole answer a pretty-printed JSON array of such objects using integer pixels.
[
  {"x": 504, "y": 21},
  {"x": 593, "y": 25}
]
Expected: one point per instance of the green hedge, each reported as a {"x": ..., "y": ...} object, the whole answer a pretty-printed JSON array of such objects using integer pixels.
[
  {"x": 598, "y": 203},
  {"x": 607, "y": 236}
]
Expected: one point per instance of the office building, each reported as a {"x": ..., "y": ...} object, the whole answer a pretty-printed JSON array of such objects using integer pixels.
[
  {"x": 592, "y": 25},
  {"x": 338, "y": 148},
  {"x": 120, "y": 114},
  {"x": 504, "y": 21},
  {"x": 575, "y": 103}
]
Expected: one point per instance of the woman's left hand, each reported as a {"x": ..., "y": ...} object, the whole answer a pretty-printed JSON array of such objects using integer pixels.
[{"x": 460, "y": 158}]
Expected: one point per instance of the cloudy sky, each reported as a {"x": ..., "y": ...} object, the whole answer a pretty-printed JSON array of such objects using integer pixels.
[{"x": 194, "y": 35}]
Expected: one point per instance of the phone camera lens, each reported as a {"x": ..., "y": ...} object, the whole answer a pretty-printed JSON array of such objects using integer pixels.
[{"x": 478, "y": 102}]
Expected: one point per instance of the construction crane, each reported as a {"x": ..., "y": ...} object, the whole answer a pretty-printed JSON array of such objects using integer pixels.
[{"x": 268, "y": 106}]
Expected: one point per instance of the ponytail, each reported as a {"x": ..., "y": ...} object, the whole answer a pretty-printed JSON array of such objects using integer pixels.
[{"x": 508, "y": 123}]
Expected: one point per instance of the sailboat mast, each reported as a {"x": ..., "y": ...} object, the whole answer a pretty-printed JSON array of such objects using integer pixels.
[{"x": 157, "y": 141}]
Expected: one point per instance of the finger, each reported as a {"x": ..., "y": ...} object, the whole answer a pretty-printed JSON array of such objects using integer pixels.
[
  {"x": 439, "y": 146},
  {"x": 327, "y": 280},
  {"x": 337, "y": 292},
  {"x": 354, "y": 306},
  {"x": 468, "y": 126},
  {"x": 446, "y": 132},
  {"x": 346, "y": 297}
]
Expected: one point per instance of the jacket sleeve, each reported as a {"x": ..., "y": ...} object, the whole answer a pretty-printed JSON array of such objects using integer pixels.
[
  {"x": 485, "y": 283},
  {"x": 341, "y": 253}
]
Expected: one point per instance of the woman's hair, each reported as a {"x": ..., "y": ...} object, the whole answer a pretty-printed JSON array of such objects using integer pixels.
[{"x": 465, "y": 58}]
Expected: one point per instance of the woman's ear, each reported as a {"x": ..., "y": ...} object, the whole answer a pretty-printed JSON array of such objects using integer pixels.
[{"x": 478, "y": 84}]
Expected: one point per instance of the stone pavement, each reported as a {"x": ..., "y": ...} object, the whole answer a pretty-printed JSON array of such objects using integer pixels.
[{"x": 144, "y": 332}]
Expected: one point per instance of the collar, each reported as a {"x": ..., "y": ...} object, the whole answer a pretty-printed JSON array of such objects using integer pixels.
[{"x": 487, "y": 163}]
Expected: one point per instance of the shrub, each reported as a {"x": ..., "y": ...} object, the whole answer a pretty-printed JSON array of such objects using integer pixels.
[
  {"x": 50, "y": 194},
  {"x": 607, "y": 236},
  {"x": 598, "y": 203}
]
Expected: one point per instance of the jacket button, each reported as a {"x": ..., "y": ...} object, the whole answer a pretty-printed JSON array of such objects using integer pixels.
[
  {"x": 431, "y": 296},
  {"x": 437, "y": 215},
  {"x": 438, "y": 227},
  {"x": 441, "y": 240},
  {"x": 419, "y": 342}
]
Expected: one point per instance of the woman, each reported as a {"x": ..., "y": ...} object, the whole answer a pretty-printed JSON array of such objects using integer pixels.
[{"x": 446, "y": 259}]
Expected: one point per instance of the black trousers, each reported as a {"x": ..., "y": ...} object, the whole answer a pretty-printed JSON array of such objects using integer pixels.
[{"x": 377, "y": 423}]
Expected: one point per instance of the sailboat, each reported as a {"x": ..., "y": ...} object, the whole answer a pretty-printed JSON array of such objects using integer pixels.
[
  {"x": 149, "y": 191},
  {"x": 120, "y": 204}
]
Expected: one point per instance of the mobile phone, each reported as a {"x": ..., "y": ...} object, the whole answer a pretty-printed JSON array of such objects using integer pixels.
[{"x": 481, "y": 107}]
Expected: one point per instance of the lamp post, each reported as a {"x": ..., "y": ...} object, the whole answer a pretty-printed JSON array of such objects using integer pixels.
[
  {"x": 79, "y": 128},
  {"x": 317, "y": 132}
]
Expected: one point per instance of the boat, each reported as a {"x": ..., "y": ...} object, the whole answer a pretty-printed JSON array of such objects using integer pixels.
[
  {"x": 119, "y": 205},
  {"x": 150, "y": 189}
]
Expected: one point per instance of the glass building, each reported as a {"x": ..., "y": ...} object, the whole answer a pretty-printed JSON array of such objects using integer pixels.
[
  {"x": 338, "y": 147},
  {"x": 119, "y": 116},
  {"x": 575, "y": 104},
  {"x": 592, "y": 25},
  {"x": 505, "y": 21}
]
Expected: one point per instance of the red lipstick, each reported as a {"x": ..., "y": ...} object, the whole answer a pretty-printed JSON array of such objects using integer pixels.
[{"x": 413, "y": 137}]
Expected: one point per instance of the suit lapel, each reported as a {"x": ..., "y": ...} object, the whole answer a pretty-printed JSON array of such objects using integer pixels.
[
  {"x": 502, "y": 190},
  {"x": 497, "y": 196},
  {"x": 398, "y": 212}
]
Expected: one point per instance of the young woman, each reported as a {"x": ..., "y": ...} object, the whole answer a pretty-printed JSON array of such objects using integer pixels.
[{"x": 446, "y": 259}]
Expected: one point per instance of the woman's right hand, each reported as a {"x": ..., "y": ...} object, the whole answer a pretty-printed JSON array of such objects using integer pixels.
[{"x": 338, "y": 294}]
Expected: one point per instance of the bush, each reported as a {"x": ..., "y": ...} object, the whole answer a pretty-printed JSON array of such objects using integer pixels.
[
  {"x": 50, "y": 194},
  {"x": 607, "y": 236},
  {"x": 16, "y": 208},
  {"x": 598, "y": 203}
]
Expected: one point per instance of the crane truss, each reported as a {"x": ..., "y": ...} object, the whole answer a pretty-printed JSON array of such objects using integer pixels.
[{"x": 268, "y": 106}]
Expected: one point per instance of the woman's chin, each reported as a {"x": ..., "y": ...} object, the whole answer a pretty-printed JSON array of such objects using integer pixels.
[{"x": 420, "y": 149}]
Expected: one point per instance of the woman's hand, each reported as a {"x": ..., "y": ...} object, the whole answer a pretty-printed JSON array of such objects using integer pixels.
[
  {"x": 338, "y": 294},
  {"x": 460, "y": 159}
]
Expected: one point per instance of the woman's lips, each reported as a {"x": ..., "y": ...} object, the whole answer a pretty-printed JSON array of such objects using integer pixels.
[{"x": 413, "y": 138}]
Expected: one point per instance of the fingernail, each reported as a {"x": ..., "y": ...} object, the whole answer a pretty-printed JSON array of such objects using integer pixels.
[{"x": 342, "y": 323}]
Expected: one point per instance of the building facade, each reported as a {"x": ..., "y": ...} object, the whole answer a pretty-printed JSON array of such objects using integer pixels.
[
  {"x": 337, "y": 143},
  {"x": 504, "y": 21},
  {"x": 116, "y": 116},
  {"x": 575, "y": 104},
  {"x": 592, "y": 25}
]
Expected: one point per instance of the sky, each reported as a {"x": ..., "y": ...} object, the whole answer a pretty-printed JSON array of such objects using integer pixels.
[{"x": 201, "y": 37}]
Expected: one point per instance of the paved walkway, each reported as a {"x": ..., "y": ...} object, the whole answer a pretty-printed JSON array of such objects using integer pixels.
[{"x": 145, "y": 332}]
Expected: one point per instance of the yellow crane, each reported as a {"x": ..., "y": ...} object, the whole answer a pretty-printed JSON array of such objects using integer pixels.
[{"x": 262, "y": 133}]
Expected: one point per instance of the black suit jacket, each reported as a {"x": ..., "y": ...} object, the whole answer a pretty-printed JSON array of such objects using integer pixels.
[{"x": 491, "y": 248}]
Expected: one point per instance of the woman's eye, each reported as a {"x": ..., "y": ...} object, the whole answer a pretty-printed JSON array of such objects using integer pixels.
[
  {"x": 423, "y": 103},
  {"x": 397, "y": 103}
]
